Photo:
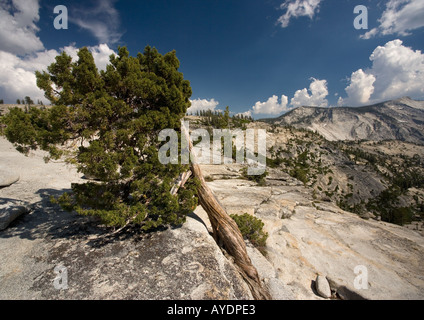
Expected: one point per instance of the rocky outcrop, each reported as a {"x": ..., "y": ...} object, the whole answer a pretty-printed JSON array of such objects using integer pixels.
[
  {"x": 400, "y": 119},
  {"x": 9, "y": 213},
  {"x": 362, "y": 259},
  {"x": 320, "y": 238},
  {"x": 7, "y": 179},
  {"x": 182, "y": 263},
  {"x": 323, "y": 287}
]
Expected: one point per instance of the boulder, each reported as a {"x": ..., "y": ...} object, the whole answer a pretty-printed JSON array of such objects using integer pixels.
[
  {"x": 179, "y": 264},
  {"x": 7, "y": 179},
  {"x": 10, "y": 213},
  {"x": 268, "y": 274},
  {"x": 323, "y": 287}
]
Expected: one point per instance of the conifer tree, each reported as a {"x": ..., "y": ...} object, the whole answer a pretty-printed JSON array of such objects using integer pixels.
[
  {"x": 28, "y": 101},
  {"x": 115, "y": 116}
]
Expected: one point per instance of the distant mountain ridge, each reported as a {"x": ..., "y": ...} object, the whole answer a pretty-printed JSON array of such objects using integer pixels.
[{"x": 401, "y": 119}]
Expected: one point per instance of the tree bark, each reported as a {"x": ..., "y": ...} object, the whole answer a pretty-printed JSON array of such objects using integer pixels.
[{"x": 226, "y": 232}]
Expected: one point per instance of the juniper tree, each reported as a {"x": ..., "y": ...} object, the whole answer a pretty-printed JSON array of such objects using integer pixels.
[
  {"x": 28, "y": 101},
  {"x": 114, "y": 116}
]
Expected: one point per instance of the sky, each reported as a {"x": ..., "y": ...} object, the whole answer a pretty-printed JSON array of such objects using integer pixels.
[{"x": 260, "y": 58}]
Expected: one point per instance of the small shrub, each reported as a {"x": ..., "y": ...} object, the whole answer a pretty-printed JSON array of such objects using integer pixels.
[
  {"x": 300, "y": 174},
  {"x": 259, "y": 179},
  {"x": 252, "y": 229}
]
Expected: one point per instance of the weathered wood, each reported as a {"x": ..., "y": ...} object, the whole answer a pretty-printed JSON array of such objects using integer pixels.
[
  {"x": 226, "y": 232},
  {"x": 181, "y": 182}
]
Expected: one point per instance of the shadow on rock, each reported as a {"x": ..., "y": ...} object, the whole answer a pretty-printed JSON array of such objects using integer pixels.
[{"x": 49, "y": 221}]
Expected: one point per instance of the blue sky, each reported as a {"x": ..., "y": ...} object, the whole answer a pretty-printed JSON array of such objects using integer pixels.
[{"x": 258, "y": 57}]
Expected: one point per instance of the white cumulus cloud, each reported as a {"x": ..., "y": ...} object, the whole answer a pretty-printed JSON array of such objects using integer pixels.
[
  {"x": 18, "y": 29},
  {"x": 360, "y": 89},
  {"x": 202, "y": 104},
  {"x": 272, "y": 106},
  {"x": 298, "y": 8},
  {"x": 17, "y": 78},
  {"x": 396, "y": 71},
  {"x": 399, "y": 71},
  {"x": 245, "y": 114},
  {"x": 17, "y": 74},
  {"x": 315, "y": 96},
  {"x": 400, "y": 18},
  {"x": 22, "y": 52}
]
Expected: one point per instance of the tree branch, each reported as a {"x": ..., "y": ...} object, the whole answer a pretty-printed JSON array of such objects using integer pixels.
[{"x": 226, "y": 231}]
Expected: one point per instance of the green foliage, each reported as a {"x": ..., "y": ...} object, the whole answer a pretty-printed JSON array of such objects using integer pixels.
[
  {"x": 36, "y": 128},
  {"x": 219, "y": 120},
  {"x": 209, "y": 179},
  {"x": 357, "y": 208},
  {"x": 300, "y": 170},
  {"x": 115, "y": 115},
  {"x": 401, "y": 172},
  {"x": 28, "y": 101},
  {"x": 360, "y": 154},
  {"x": 386, "y": 204},
  {"x": 274, "y": 162},
  {"x": 297, "y": 166},
  {"x": 259, "y": 179},
  {"x": 252, "y": 229},
  {"x": 300, "y": 174},
  {"x": 408, "y": 178}
]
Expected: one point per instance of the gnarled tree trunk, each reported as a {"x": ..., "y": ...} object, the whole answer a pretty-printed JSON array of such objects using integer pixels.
[{"x": 226, "y": 232}]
